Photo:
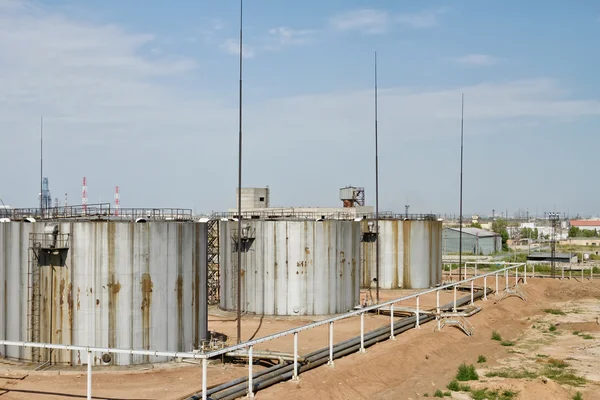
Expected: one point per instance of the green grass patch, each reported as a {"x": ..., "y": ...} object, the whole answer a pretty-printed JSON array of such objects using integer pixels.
[
  {"x": 483, "y": 394},
  {"x": 447, "y": 394},
  {"x": 557, "y": 363},
  {"x": 507, "y": 343},
  {"x": 457, "y": 387},
  {"x": 552, "y": 328},
  {"x": 496, "y": 336},
  {"x": 438, "y": 393},
  {"x": 481, "y": 359},
  {"x": 554, "y": 311},
  {"x": 426, "y": 395},
  {"x": 587, "y": 337},
  {"x": 563, "y": 376},
  {"x": 578, "y": 396},
  {"x": 542, "y": 355},
  {"x": 466, "y": 373},
  {"x": 576, "y": 333},
  {"x": 512, "y": 374}
]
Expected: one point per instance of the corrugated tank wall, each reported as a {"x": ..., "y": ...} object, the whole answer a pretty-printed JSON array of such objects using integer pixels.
[
  {"x": 292, "y": 267},
  {"x": 410, "y": 254},
  {"x": 123, "y": 285}
]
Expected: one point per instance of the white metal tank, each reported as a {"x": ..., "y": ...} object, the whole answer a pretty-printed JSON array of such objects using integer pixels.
[
  {"x": 410, "y": 253},
  {"x": 107, "y": 284},
  {"x": 292, "y": 267}
]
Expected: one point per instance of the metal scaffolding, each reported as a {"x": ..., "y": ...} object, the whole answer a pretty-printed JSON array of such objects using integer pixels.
[{"x": 213, "y": 262}]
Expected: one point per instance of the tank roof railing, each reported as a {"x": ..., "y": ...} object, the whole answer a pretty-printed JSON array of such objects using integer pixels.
[
  {"x": 98, "y": 211},
  {"x": 284, "y": 214}
]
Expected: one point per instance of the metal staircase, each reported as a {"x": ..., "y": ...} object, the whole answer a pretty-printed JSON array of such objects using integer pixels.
[
  {"x": 33, "y": 296},
  {"x": 515, "y": 291},
  {"x": 213, "y": 262},
  {"x": 455, "y": 319}
]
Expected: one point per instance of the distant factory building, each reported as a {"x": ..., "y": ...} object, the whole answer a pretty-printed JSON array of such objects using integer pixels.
[
  {"x": 558, "y": 257},
  {"x": 474, "y": 241},
  {"x": 587, "y": 224}
]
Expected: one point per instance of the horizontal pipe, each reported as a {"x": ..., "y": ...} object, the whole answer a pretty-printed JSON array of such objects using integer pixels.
[
  {"x": 350, "y": 314},
  {"x": 279, "y": 373}
]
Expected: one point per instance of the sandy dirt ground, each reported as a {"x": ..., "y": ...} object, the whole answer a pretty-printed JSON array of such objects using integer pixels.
[{"x": 413, "y": 366}]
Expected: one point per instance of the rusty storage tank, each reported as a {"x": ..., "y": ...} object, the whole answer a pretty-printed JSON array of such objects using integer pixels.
[
  {"x": 291, "y": 267},
  {"x": 106, "y": 284},
  {"x": 410, "y": 253}
]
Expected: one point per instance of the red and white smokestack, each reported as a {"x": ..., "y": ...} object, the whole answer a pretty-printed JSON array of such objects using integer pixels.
[
  {"x": 84, "y": 198},
  {"x": 117, "y": 202}
]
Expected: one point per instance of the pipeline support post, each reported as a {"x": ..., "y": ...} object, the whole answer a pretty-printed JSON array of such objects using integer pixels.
[
  {"x": 330, "y": 362},
  {"x": 517, "y": 275},
  {"x": 437, "y": 301},
  {"x": 89, "y": 375},
  {"x": 417, "y": 325},
  {"x": 485, "y": 287},
  {"x": 472, "y": 289},
  {"x": 454, "y": 307},
  {"x": 250, "y": 384},
  {"x": 204, "y": 378},
  {"x": 525, "y": 274},
  {"x": 362, "y": 333},
  {"x": 392, "y": 337},
  {"x": 295, "y": 377},
  {"x": 496, "y": 283},
  {"x": 506, "y": 279}
]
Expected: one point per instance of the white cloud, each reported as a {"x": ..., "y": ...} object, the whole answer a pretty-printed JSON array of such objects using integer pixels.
[
  {"x": 285, "y": 36},
  {"x": 422, "y": 19},
  {"x": 232, "y": 46},
  {"x": 275, "y": 40},
  {"x": 369, "y": 21},
  {"x": 477, "y": 60}
]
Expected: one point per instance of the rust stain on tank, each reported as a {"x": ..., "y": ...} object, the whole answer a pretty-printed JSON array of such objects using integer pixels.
[
  {"x": 146, "y": 305},
  {"x": 306, "y": 250},
  {"x": 97, "y": 302},
  {"x": 179, "y": 290},
  {"x": 406, "y": 243},
  {"x": 70, "y": 306},
  {"x": 78, "y": 299},
  {"x": 62, "y": 291}
]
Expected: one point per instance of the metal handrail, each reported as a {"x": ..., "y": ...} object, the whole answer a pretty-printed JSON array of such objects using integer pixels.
[{"x": 353, "y": 313}]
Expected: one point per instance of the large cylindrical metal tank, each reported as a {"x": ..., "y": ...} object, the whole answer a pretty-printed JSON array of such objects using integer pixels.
[
  {"x": 107, "y": 284},
  {"x": 291, "y": 267},
  {"x": 410, "y": 253}
]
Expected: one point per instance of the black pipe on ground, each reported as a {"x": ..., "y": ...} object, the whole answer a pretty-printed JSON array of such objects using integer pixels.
[{"x": 282, "y": 372}]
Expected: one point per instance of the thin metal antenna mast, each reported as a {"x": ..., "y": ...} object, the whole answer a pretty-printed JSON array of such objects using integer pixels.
[
  {"x": 239, "y": 245},
  {"x": 41, "y": 167},
  {"x": 460, "y": 217},
  {"x": 376, "y": 190}
]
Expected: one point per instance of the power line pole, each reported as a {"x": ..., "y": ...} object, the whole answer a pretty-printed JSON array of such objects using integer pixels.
[
  {"x": 41, "y": 167},
  {"x": 376, "y": 190},
  {"x": 239, "y": 244},
  {"x": 460, "y": 217}
]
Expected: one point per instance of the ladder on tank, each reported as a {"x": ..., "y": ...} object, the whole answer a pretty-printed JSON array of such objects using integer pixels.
[{"x": 33, "y": 296}]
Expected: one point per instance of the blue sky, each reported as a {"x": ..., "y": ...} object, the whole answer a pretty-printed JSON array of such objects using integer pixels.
[{"x": 143, "y": 94}]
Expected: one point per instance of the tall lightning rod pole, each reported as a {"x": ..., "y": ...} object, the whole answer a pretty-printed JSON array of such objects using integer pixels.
[
  {"x": 460, "y": 217},
  {"x": 376, "y": 191},
  {"x": 41, "y": 167},
  {"x": 239, "y": 248}
]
